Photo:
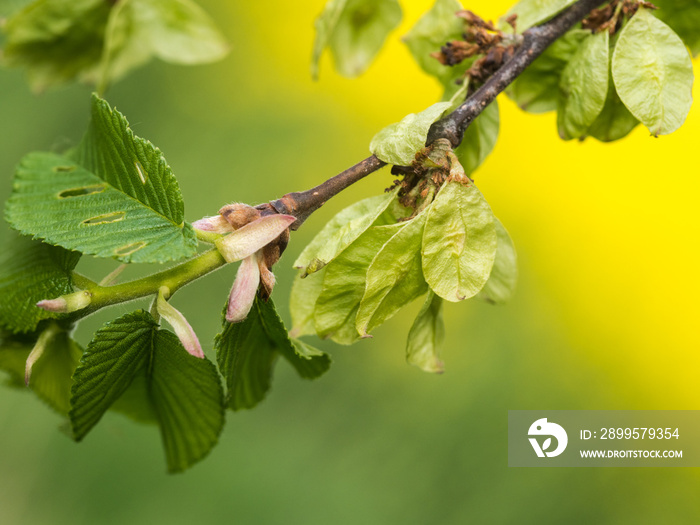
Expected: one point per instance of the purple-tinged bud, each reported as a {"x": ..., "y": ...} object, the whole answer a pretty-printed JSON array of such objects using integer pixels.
[
  {"x": 65, "y": 304},
  {"x": 183, "y": 329},
  {"x": 253, "y": 236},
  {"x": 216, "y": 224},
  {"x": 44, "y": 339},
  {"x": 244, "y": 288},
  {"x": 58, "y": 305}
]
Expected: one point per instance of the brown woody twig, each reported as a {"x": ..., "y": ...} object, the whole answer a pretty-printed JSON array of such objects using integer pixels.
[{"x": 452, "y": 127}]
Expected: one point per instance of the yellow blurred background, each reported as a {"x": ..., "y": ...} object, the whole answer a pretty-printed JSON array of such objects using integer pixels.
[{"x": 605, "y": 316}]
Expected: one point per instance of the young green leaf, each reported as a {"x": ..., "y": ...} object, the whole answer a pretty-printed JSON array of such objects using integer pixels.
[
  {"x": 14, "y": 349},
  {"x": 341, "y": 231},
  {"x": 57, "y": 40},
  {"x": 116, "y": 197},
  {"x": 459, "y": 242},
  {"x": 533, "y": 12},
  {"x": 117, "y": 352},
  {"x": 325, "y": 25},
  {"x": 51, "y": 373},
  {"x": 683, "y": 16},
  {"x": 99, "y": 41},
  {"x": 426, "y": 336},
  {"x": 536, "y": 89},
  {"x": 479, "y": 139},
  {"x": 355, "y": 31},
  {"x": 302, "y": 302},
  {"x": 583, "y": 86},
  {"x": 343, "y": 286},
  {"x": 31, "y": 271},
  {"x": 176, "y": 31},
  {"x": 394, "y": 278},
  {"x": 432, "y": 31},
  {"x": 131, "y": 356},
  {"x": 247, "y": 351},
  {"x": 615, "y": 121},
  {"x": 500, "y": 286},
  {"x": 307, "y": 360},
  {"x": 653, "y": 73},
  {"x": 398, "y": 143}
]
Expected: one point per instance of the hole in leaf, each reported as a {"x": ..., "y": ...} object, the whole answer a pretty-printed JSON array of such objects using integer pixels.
[
  {"x": 129, "y": 248},
  {"x": 106, "y": 218},
  {"x": 142, "y": 173},
  {"x": 85, "y": 190},
  {"x": 63, "y": 168}
]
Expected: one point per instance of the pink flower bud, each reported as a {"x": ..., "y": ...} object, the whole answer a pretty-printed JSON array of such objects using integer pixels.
[
  {"x": 68, "y": 303},
  {"x": 44, "y": 339},
  {"x": 244, "y": 289},
  {"x": 58, "y": 305},
  {"x": 253, "y": 236},
  {"x": 216, "y": 224},
  {"x": 182, "y": 328}
]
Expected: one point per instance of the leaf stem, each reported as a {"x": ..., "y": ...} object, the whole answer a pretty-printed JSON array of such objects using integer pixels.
[
  {"x": 82, "y": 282},
  {"x": 173, "y": 278}
]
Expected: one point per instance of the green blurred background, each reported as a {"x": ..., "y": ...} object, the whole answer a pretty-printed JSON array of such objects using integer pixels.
[{"x": 605, "y": 316}]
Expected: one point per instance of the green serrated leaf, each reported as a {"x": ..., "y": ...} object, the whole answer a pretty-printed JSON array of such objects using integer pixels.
[
  {"x": 398, "y": 143},
  {"x": 653, "y": 73},
  {"x": 116, "y": 353},
  {"x": 31, "y": 271},
  {"x": 615, "y": 120},
  {"x": 426, "y": 337},
  {"x": 355, "y": 31},
  {"x": 500, "y": 286},
  {"x": 479, "y": 139},
  {"x": 135, "y": 402},
  {"x": 307, "y": 360},
  {"x": 432, "y": 31},
  {"x": 176, "y": 31},
  {"x": 57, "y": 40},
  {"x": 341, "y": 231},
  {"x": 536, "y": 89},
  {"x": 188, "y": 399},
  {"x": 116, "y": 197},
  {"x": 683, "y": 16},
  {"x": 134, "y": 367},
  {"x": 394, "y": 278},
  {"x": 533, "y": 12},
  {"x": 459, "y": 242},
  {"x": 343, "y": 286},
  {"x": 302, "y": 302},
  {"x": 583, "y": 86},
  {"x": 246, "y": 353}
]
